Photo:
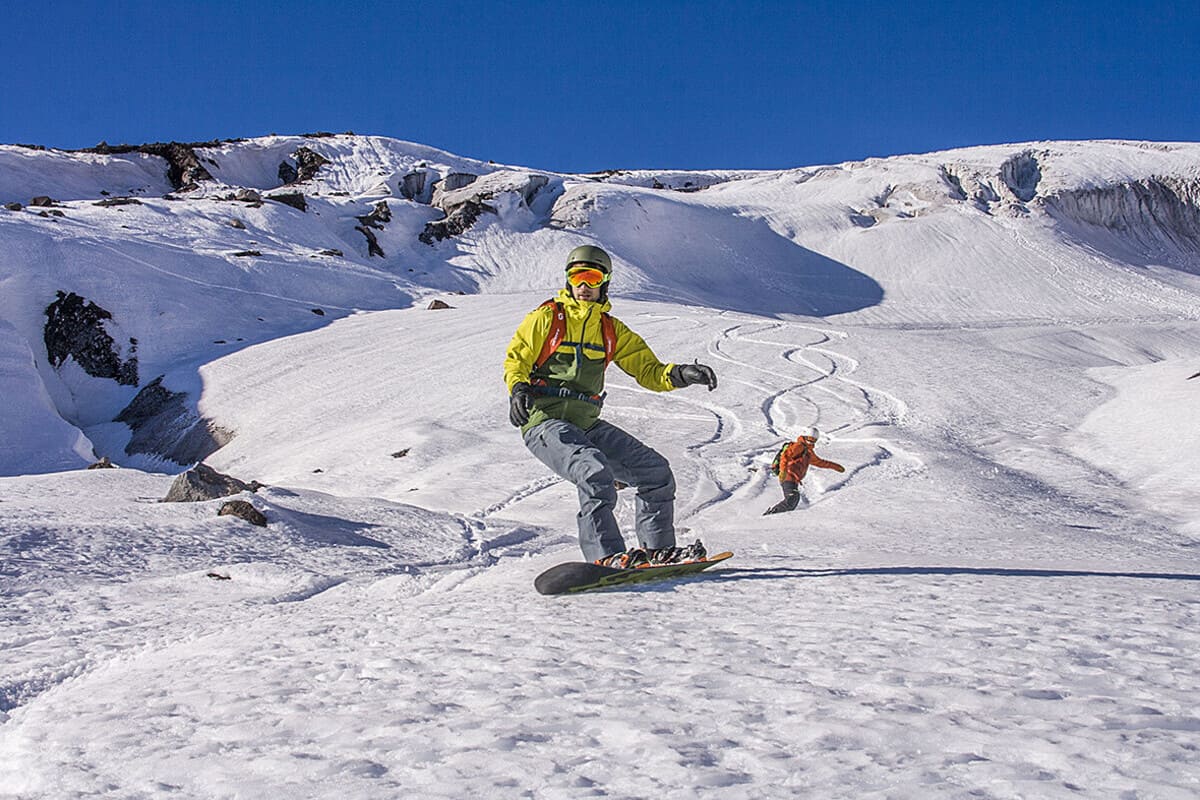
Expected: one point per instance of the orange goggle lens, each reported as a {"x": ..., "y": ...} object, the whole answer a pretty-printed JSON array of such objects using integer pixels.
[{"x": 591, "y": 277}]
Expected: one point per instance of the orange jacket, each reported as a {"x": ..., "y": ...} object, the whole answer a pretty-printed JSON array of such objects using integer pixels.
[{"x": 794, "y": 460}]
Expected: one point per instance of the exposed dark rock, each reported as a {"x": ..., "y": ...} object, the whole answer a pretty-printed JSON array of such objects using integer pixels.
[
  {"x": 184, "y": 169},
  {"x": 237, "y": 223},
  {"x": 302, "y": 167},
  {"x": 465, "y": 200},
  {"x": 42, "y": 201},
  {"x": 294, "y": 199},
  {"x": 75, "y": 328},
  {"x": 216, "y": 576},
  {"x": 53, "y": 212},
  {"x": 103, "y": 463},
  {"x": 307, "y": 164},
  {"x": 437, "y": 305},
  {"x": 319, "y": 135},
  {"x": 118, "y": 201},
  {"x": 246, "y": 196},
  {"x": 243, "y": 510},
  {"x": 332, "y": 252},
  {"x": 164, "y": 425},
  {"x": 401, "y": 453},
  {"x": 378, "y": 216},
  {"x": 460, "y": 219},
  {"x": 373, "y": 248},
  {"x": 14, "y": 206},
  {"x": 319, "y": 312},
  {"x": 248, "y": 253},
  {"x": 202, "y": 482}
]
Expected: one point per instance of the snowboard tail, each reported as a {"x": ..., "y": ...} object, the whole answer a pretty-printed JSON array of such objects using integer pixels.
[{"x": 580, "y": 576}]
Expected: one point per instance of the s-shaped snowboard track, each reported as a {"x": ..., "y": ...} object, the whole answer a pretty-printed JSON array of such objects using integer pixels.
[{"x": 778, "y": 377}]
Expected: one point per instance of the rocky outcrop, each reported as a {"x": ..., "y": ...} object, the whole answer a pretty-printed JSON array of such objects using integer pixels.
[
  {"x": 118, "y": 201},
  {"x": 302, "y": 166},
  {"x": 294, "y": 199},
  {"x": 243, "y": 509},
  {"x": 248, "y": 196},
  {"x": 184, "y": 169},
  {"x": 379, "y": 215},
  {"x": 164, "y": 425},
  {"x": 459, "y": 219},
  {"x": 374, "y": 222},
  {"x": 464, "y": 198},
  {"x": 202, "y": 482},
  {"x": 76, "y": 328}
]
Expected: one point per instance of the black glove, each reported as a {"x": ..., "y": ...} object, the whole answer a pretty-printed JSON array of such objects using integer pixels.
[
  {"x": 520, "y": 403},
  {"x": 688, "y": 374},
  {"x": 791, "y": 498}
]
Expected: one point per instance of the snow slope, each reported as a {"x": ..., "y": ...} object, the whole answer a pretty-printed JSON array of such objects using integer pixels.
[{"x": 996, "y": 599}]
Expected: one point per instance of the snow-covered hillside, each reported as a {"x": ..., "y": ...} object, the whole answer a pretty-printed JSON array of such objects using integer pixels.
[{"x": 996, "y": 599}]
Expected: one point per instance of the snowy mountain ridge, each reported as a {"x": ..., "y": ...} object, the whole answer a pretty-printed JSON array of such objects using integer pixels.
[
  {"x": 996, "y": 599},
  {"x": 809, "y": 239}
]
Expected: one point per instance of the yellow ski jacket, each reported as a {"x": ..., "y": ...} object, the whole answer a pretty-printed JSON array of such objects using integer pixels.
[{"x": 578, "y": 363}]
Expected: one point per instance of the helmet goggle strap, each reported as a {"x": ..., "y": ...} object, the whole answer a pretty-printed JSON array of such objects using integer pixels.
[{"x": 586, "y": 275}]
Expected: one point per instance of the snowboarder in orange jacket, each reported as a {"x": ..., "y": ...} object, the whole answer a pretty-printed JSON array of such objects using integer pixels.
[{"x": 791, "y": 465}]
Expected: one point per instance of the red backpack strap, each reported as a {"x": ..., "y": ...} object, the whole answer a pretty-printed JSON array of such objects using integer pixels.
[
  {"x": 554, "y": 337},
  {"x": 609, "y": 332}
]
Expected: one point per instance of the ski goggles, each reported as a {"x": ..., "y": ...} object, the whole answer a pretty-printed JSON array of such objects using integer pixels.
[{"x": 586, "y": 276}]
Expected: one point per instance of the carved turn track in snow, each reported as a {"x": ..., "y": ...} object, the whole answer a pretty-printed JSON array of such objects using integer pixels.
[{"x": 775, "y": 377}]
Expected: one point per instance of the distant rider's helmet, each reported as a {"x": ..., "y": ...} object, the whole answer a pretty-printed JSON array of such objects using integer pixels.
[
  {"x": 809, "y": 432},
  {"x": 586, "y": 260}
]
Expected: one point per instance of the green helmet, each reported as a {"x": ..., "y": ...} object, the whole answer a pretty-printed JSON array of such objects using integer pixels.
[{"x": 590, "y": 254}]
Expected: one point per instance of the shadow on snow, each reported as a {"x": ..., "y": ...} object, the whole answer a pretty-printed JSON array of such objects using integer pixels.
[{"x": 777, "y": 573}]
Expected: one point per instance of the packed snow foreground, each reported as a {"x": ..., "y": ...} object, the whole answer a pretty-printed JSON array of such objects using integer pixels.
[{"x": 998, "y": 598}]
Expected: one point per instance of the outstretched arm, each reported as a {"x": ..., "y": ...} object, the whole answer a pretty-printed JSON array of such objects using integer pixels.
[{"x": 817, "y": 461}]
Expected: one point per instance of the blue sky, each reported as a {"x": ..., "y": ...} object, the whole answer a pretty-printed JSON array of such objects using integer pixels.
[{"x": 581, "y": 86}]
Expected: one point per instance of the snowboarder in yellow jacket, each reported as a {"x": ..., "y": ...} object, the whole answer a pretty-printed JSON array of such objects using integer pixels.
[{"x": 554, "y": 370}]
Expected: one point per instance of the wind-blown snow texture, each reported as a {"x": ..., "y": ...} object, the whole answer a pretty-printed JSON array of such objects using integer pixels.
[{"x": 997, "y": 599}]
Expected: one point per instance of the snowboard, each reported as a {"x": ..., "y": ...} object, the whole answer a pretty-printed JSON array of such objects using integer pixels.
[{"x": 580, "y": 576}]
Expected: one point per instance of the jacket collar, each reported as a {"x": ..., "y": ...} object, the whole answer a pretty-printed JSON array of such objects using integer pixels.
[{"x": 579, "y": 308}]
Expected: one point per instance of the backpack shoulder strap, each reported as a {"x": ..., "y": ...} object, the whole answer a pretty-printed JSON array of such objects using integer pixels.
[
  {"x": 554, "y": 337},
  {"x": 610, "y": 337}
]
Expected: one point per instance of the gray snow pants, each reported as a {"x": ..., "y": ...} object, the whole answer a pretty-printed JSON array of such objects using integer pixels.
[{"x": 593, "y": 460}]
